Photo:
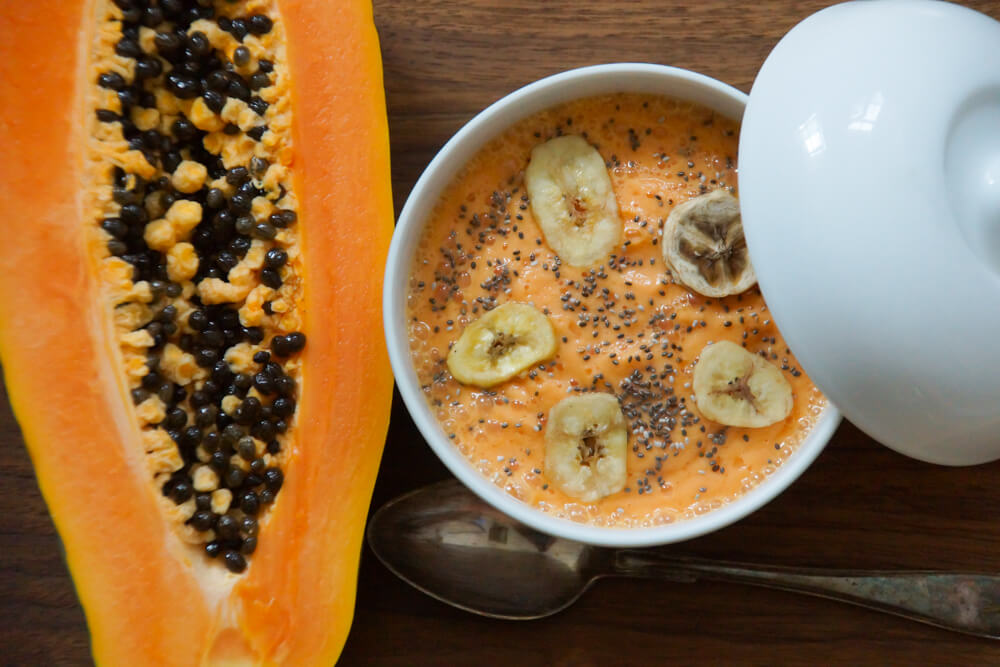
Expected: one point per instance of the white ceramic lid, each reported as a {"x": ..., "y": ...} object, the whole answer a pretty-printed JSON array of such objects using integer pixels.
[{"x": 870, "y": 189}]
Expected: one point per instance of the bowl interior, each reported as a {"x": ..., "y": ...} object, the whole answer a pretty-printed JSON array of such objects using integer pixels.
[{"x": 548, "y": 92}]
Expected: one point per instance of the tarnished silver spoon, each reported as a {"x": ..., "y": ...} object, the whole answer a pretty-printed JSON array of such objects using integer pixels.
[{"x": 449, "y": 544}]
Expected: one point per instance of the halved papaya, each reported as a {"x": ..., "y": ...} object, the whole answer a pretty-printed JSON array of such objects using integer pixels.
[{"x": 197, "y": 212}]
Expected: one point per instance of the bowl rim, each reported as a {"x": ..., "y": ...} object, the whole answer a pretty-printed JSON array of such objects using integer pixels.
[{"x": 440, "y": 172}]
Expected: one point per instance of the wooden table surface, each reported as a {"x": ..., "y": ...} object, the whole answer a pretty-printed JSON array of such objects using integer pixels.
[{"x": 859, "y": 506}]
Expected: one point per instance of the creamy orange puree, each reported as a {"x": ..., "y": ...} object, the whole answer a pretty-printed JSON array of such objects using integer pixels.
[{"x": 623, "y": 327}]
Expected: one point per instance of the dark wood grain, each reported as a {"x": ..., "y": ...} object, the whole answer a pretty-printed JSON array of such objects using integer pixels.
[{"x": 859, "y": 506}]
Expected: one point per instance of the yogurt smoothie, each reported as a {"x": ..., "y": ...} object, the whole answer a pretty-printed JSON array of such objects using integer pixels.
[{"x": 623, "y": 326}]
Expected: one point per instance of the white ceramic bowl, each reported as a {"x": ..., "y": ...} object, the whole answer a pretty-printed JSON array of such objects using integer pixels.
[{"x": 548, "y": 92}]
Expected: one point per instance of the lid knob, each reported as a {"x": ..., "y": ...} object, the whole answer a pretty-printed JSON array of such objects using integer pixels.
[{"x": 972, "y": 174}]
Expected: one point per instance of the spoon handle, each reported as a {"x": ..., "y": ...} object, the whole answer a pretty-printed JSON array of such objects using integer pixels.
[{"x": 963, "y": 602}]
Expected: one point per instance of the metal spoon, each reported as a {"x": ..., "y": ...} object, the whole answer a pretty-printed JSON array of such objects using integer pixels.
[{"x": 449, "y": 544}]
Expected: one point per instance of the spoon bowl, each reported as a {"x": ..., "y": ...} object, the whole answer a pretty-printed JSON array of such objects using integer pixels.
[{"x": 442, "y": 539}]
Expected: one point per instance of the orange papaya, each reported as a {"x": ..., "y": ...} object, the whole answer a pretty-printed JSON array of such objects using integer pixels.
[{"x": 197, "y": 208}]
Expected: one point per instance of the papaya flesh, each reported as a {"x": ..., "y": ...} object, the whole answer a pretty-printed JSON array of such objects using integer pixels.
[{"x": 196, "y": 197}]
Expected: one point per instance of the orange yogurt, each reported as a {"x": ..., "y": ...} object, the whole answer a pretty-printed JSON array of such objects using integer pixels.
[{"x": 624, "y": 327}]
